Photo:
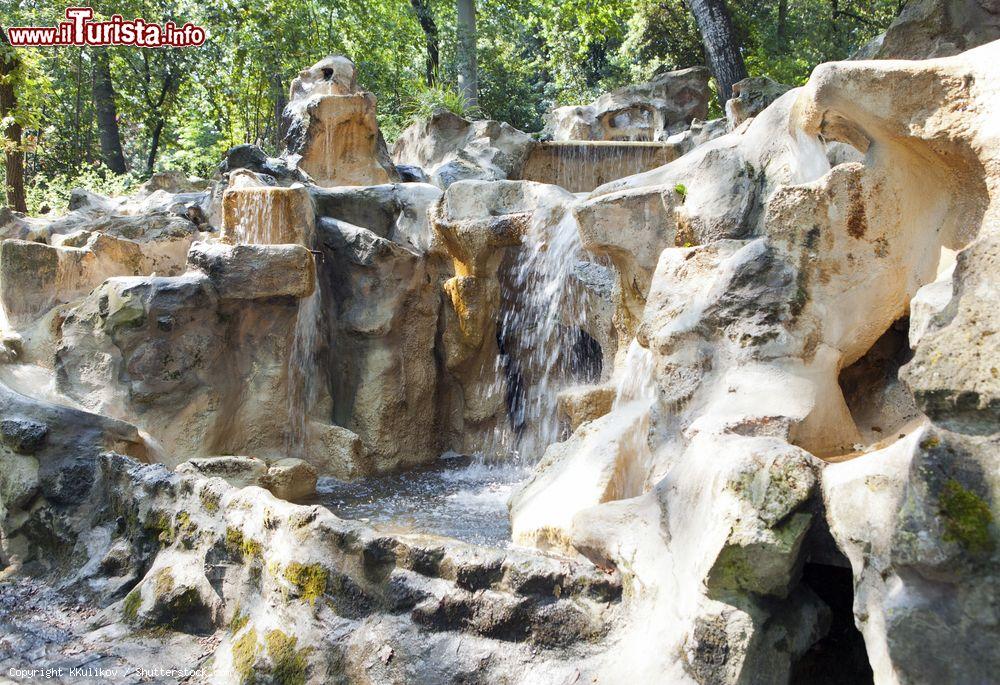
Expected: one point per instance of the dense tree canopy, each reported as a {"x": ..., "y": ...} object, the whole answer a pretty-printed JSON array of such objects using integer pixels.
[{"x": 182, "y": 108}]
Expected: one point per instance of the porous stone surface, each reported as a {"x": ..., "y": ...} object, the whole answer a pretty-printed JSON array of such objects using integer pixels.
[
  {"x": 449, "y": 148},
  {"x": 647, "y": 111}
]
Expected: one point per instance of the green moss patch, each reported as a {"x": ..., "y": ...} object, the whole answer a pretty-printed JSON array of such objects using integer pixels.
[
  {"x": 289, "y": 664},
  {"x": 967, "y": 518},
  {"x": 245, "y": 651},
  {"x": 309, "y": 579},
  {"x": 130, "y": 608}
]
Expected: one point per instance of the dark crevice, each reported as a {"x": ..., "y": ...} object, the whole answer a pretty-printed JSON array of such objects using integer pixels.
[{"x": 839, "y": 658}]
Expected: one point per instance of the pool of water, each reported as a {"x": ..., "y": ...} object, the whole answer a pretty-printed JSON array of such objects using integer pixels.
[{"x": 457, "y": 498}]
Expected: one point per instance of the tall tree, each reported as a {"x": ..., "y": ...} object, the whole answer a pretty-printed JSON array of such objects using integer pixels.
[
  {"x": 13, "y": 150},
  {"x": 425, "y": 18},
  {"x": 107, "y": 113},
  {"x": 721, "y": 45},
  {"x": 468, "y": 78}
]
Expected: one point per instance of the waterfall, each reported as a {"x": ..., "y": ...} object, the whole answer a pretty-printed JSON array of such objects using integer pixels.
[
  {"x": 635, "y": 379},
  {"x": 260, "y": 222},
  {"x": 541, "y": 324}
]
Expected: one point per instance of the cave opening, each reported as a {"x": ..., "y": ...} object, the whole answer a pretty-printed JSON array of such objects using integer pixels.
[
  {"x": 879, "y": 401},
  {"x": 840, "y": 657}
]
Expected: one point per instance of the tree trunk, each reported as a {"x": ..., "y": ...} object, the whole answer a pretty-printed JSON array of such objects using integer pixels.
[
  {"x": 720, "y": 43},
  {"x": 468, "y": 79},
  {"x": 13, "y": 151},
  {"x": 426, "y": 19},
  {"x": 154, "y": 145},
  {"x": 107, "y": 113},
  {"x": 783, "y": 25}
]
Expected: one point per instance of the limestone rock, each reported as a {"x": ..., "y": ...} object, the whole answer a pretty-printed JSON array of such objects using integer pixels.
[
  {"x": 585, "y": 403},
  {"x": 290, "y": 479},
  {"x": 751, "y": 96},
  {"x": 237, "y": 471},
  {"x": 334, "y": 136},
  {"x": 644, "y": 111},
  {"x": 936, "y": 28},
  {"x": 450, "y": 148},
  {"x": 250, "y": 272}
]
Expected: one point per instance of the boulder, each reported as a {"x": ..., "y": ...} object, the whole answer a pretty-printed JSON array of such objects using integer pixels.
[
  {"x": 255, "y": 214},
  {"x": 751, "y": 96},
  {"x": 647, "y": 111},
  {"x": 334, "y": 135},
  {"x": 292, "y": 480},
  {"x": 450, "y": 148},
  {"x": 936, "y": 28},
  {"x": 251, "y": 272},
  {"x": 24, "y": 436}
]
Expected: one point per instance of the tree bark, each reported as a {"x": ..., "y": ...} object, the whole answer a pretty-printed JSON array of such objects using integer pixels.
[
  {"x": 13, "y": 150},
  {"x": 154, "y": 145},
  {"x": 721, "y": 46},
  {"x": 107, "y": 113},
  {"x": 468, "y": 79},
  {"x": 425, "y": 17}
]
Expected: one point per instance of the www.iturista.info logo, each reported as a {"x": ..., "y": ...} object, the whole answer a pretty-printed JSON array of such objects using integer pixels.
[{"x": 81, "y": 29}]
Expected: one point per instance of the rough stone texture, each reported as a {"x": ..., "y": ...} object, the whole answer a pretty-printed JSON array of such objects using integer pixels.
[
  {"x": 645, "y": 111},
  {"x": 155, "y": 351},
  {"x": 585, "y": 403},
  {"x": 34, "y": 277},
  {"x": 290, "y": 479},
  {"x": 251, "y": 272},
  {"x": 237, "y": 471},
  {"x": 334, "y": 136},
  {"x": 300, "y": 591},
  {"x": 450, "y": 148},
  {"x": 751, "y": 96},
  {"x": 936, "y": 28},
  {"x": 784, "y": 273}
]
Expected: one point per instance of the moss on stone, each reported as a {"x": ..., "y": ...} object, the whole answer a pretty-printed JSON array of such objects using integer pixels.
[
  {"x": 967, "y": 517},
  {"x": 930, "y": 442},
  {"x": 310, "y": 579},
  {"x": 185, "y": 529},
  {"x": 237, "y": 543},
  {"x": 239, "y": 621},
  {"x": 159, "y": 521},
  {"x": 288, "y": 663},
  {"x": 130, "y": 608},
  {"x": 209, "y": 500},
  {"x": 245, "y": 652},
  {"x": 164, "y": 582}
]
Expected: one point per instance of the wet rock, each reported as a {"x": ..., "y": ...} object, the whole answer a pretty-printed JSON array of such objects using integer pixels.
[
  {"x": 585, "y": 403},
  {"x": 334, "y": 136},
  {"x": 24, "y": 436}
]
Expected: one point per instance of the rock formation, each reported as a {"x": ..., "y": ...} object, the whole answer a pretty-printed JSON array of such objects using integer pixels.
[
  {"x": 334, "y": 136},
  {"x": 648, "y": 111},
  {"x": 755, "y": 386}
]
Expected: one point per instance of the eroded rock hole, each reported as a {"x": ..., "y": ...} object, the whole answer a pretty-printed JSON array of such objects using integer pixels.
[
  {"x": 840, "y": 657},
  {"x": 880, "y": 403}
]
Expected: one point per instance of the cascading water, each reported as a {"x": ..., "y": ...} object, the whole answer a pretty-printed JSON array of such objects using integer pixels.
[
  {"x": 542, "y": 320},
  {"x": 261, "y": 222}
]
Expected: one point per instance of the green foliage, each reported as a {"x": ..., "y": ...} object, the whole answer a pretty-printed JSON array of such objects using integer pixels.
[
  {"x": 532, "y": 54},
  {"x": 429, "y": 99},
  {"x": 681, "y": 190}
]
